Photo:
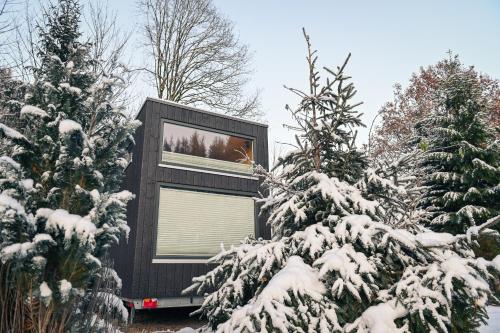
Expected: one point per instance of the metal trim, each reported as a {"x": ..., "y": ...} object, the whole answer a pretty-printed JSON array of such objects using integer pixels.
[
  {"x": 168, "y": 302},
  {"x": 179, "y": 261}
]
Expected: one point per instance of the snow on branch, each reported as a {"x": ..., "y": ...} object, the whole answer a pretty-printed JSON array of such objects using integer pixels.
[
  {"x": 10, "y": 133},
  {"x": 34, "y": 111},
  {"x": 68, "y": 126},
  {"x": 296, "y": 282},
  {"x": 69, "y": 225},
  {"x": 379, "y": 319}
]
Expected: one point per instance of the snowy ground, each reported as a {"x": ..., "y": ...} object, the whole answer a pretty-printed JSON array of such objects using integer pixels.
[
  {"x": 178, "y": 320},
  {"x": 494, "y": 322},
  {"x": 163, "y": 320}
]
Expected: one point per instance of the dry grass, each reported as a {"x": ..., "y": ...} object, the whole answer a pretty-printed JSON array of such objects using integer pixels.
[{"x": 147, "y": 321}]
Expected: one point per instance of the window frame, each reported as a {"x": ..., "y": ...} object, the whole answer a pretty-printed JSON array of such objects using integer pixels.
[
  {"x": 163, "y": 259},
  {"x": 202, "y": 168}
]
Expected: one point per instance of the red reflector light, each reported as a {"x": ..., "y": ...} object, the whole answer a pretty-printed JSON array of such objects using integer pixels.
[{"x": 149, "y": 303}]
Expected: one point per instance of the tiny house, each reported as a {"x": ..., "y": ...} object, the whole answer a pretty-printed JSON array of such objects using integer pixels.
[{"x": 193, "y": 192}]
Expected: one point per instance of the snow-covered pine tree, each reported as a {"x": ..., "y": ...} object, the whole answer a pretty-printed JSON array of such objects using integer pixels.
[
  {"x": 10, "y": 91},
  {"x": 461, "y": 160},
  {"x": 332, "y": 264},
  {"x": 71, "y": 143}
]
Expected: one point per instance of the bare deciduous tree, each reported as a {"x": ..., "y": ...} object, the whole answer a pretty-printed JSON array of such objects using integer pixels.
[
  {"x": 195, "y": 56},
  {"x": 109, "y": 42},
  {"x": 8, "y": 26},
  {"x": 107, "y": 39},
  {"x": 6, "y": 22},
  {"x": 24, "y": 54}
]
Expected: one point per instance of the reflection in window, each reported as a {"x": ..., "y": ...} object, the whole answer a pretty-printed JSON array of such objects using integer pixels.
[{"x": 205, "y": 144}]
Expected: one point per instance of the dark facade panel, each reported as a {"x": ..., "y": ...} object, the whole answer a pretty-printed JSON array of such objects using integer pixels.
[
  {"x": 124, "y": 254},
  {"x": 134, "y": 260}
]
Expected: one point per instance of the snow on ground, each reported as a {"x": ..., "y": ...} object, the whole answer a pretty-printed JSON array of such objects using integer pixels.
[
  {"x": 164, "y": 321},
  {"x": 492, "y": 327},
  {"x": 184, "y": 330},
  {"x": 188, "y": 330},
  {"x": 493, "y": 322}
]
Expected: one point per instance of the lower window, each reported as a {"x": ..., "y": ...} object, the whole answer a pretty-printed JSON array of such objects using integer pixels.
[{"x": 195, "y": 224}]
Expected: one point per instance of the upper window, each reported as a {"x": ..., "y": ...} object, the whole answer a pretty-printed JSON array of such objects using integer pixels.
[{"x": 202, "y": 148}]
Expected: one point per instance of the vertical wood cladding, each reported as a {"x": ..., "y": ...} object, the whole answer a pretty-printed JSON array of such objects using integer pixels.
[{"x": 133, "y": 260}]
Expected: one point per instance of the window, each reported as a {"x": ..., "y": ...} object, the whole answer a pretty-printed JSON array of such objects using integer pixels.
[
  {"x": 194, "y": 224},
  {"x": 202, "y": 148}
]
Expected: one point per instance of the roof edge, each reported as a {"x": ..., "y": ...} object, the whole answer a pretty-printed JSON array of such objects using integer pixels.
[{"x": 162, "y": 101}]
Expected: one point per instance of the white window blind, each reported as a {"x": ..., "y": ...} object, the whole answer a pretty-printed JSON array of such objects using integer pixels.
[
  {"x": 211, "y": 163},
  {"x": 192, "y": 223}
]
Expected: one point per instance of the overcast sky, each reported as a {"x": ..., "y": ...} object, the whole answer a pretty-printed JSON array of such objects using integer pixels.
[{"x": 388, "y": 40}]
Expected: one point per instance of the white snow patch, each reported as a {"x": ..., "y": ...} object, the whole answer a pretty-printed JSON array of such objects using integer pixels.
[
  {"x": 493, "y": 322},
  {"x": 297, "y": 277},
  {"x": 42, "y": 238},
  {"x": 9, "y": 161},
  {"x": 67, "y": 126},
  {"x": 27, "y": 184},
  {"x": 189, "y": 330},
  {"x": 496, "y": 262},
  {"x": 435, "y": 239},
  {"x": 72, "y": 89},
  {"x": 65, "y": 289},
  {"x": 349, "y": 265},
  {"x": 71, "y": 224},
  {"x": 19, "y": 249},
  {"x": 45, "y": 292},
  {"x": 39, "y": 261},
  {"x": 456, "y": 267},
  {"x": 123, "y": 196},
  {"x": 33, "y": 111},
  {"x": 379, "y": 319},
  {"x": 10, "y": 133},
  {"x": 314, "y": 238},
  {"x": 23, "y": 249},
  {"x": 7, "y": 202},
  {"x": 92, "y": 259},
  {"x": 122, "y": 162}
]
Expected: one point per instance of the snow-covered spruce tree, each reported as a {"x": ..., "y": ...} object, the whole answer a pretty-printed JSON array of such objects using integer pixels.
[
  {"x": 395, "y": 187},
  {"x": 16, "y": 230},
  {"x": 461, "y": 159},
  {"x": 70, "y": 145},
  {"x": 332, "y": 264}
]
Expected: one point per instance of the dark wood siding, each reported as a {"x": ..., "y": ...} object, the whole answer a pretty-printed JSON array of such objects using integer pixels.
[
  {"x": 124, "y": 254},
  {"x": 142, "y": 278}
]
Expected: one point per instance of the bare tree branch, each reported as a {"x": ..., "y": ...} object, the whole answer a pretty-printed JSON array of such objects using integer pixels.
[
  {"x": 195, "y": 56},
  {"x": 20, "y": 55},
  {"x": 108, "y": 44},
  {"x": 6, "y": 21},
  {"x": 7, "y": 27}
]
